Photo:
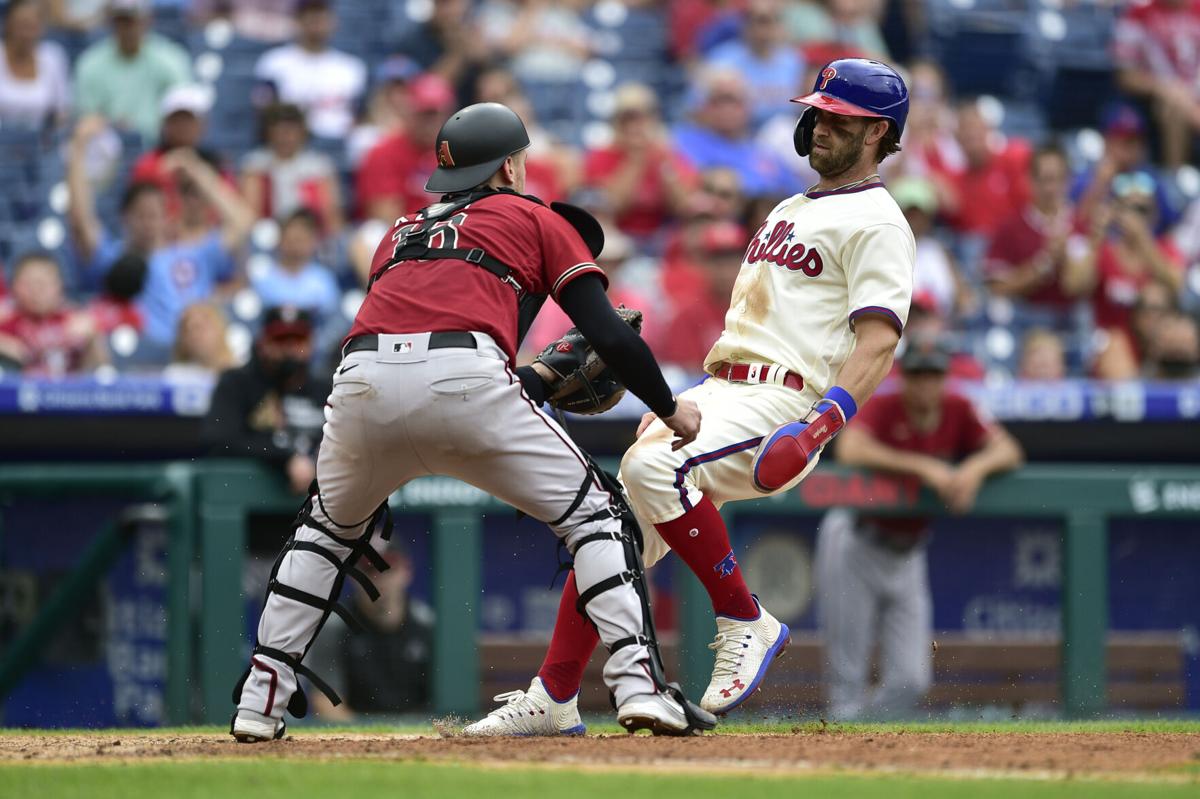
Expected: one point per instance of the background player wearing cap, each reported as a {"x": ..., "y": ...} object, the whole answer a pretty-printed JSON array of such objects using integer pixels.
[
  {"x": 815, "y": 317},
  {"x": 872, "y": 583},
  {"x": 426, "y": 386}
]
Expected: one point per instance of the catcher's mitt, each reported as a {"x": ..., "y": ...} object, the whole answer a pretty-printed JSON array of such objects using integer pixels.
[{"x": 583, "y": 383}]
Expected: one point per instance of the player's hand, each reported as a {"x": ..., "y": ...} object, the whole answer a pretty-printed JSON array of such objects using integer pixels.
[
  {"x": 301, "y": 471},
  {"x": 939, "y": 476},
  {"x": 88, "y": 128},
  {"x": 964, "y": 486},
  {"x": 647, "y": 418},
  {"x": 685, "y": 423}
]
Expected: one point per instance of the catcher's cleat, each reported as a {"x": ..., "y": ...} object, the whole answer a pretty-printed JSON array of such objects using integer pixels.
[
  {"x": 530, "y": 713},
  {"x": 745, "y": 648},
  {"x": 248, "y": 727},
  {"x": 659, "y": 713}
]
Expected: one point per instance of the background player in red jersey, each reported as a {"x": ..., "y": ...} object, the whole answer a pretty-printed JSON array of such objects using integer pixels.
[
  {"x": 426, "y": 386},
  {"x": 872, "y": 582}
]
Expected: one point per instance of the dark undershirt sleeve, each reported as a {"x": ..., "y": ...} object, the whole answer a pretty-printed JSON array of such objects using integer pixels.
[
  {"x": 532, "y": 383},
  {"x": 617, "y": 344}
]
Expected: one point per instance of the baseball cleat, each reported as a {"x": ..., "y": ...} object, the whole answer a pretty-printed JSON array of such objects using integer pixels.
[
  {"x": 745, "y": 648},
  {"x": 659, "y": 713},
  {"x": 532, "y": 712},
  {"x": 249, "y": 727}
]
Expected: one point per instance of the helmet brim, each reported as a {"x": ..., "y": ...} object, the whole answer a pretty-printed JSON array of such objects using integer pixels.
[
  {"x": 835, "y": 105},
  {"x": 445, "y": 180}
]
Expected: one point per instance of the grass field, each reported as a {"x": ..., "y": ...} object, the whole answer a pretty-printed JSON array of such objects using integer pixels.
[{"x": 924, "y": 761}]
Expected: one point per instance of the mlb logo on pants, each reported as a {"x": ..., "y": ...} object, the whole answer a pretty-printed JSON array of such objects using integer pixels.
[
  {"x": 402, "y": 347},
  {"x": 726, "y": 566}
]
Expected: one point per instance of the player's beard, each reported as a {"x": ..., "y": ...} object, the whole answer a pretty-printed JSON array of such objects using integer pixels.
[{"x": 838, "y": 160}]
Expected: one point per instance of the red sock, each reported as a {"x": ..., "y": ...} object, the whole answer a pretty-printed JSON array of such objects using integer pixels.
[
  {"x": 571, "y": 647},
  {"x": 700, "y": 538}
]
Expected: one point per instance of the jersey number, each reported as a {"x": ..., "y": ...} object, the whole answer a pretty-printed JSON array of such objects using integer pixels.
[{"x": 443, "y": 234}]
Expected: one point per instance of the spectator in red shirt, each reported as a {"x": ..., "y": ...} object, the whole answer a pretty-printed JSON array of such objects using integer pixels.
[
  {"x": 1122, "y": 257},
  {"x": 871, "y": 572},
  {"x": 1157, "y": 50},
  {"x": 284, "y": 176},
  {"x": 391, "y": 178},
  {"x": 116, "y": 306},
  {"x": 44, "y": 335},
  {"x": 990, "y": 183},
  {"x": 1028, "y": 253},
  {"x": 697, "y": 316},
  {"x": 644, "y": 180}
]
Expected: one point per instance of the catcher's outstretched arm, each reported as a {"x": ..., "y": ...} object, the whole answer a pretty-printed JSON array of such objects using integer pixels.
[{"x": 617, "y": 344}]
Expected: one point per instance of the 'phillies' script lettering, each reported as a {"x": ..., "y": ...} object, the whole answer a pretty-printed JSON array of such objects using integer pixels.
[{"x": 779, "y": 250}]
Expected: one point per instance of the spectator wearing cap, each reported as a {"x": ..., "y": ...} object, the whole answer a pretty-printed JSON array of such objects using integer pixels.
[
  {"x": 35, "y": 90},
  {"x": 1042, "y": 356},
  {"x": 272, "y": 409},
  {"x": 1157, "y": 49},
  {"x": 935, "y": 275},
  {"x": 295, "y": 277},
  {"x": 185, "y": 111},
  {"x": 924, "y": 322},
  {"x": 284, "y": 176},
  {"x": 385, "y": 667},
  {"x": 391, "y": 179},
  {"x": 764, "y": 59},
  {"x": 1028, "y": 253},
  {"x": 125, "y": 76},
  {"x": 871, "y": 571},
  {"x": 1121, "y": 258},
  {"x": 645, "y": 182},
  {"x": 719, "y": 134},
  {"x": 116, "y": 305},
  {"x": 696, "y": 317},
  {"x": 1125, "y": 151},
  {"x": 987, "y": 179},
  {"x": 44, "y": 334},
  {"x": 326, "y": 83}
]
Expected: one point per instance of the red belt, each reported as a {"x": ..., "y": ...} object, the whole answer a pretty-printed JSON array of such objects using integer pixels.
[{"x": 759, "y": 373}]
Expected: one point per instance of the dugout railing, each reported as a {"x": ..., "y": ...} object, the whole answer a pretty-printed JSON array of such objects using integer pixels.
[{"x": 206, "y": 506}]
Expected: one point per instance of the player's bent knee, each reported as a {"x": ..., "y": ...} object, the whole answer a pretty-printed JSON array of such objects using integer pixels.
[{"x": 644, "y": 467}]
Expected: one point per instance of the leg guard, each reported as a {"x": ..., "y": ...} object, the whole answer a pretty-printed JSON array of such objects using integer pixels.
[
  {"x": 633, "y": 574},
  {"x": 315, "y": 563}
]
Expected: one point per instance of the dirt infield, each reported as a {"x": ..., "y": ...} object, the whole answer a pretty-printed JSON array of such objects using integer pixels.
[{"x": 1066, "y": 754}]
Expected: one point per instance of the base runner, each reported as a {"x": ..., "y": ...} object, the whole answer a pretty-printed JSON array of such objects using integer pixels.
[{"x": 811, "y": 330}]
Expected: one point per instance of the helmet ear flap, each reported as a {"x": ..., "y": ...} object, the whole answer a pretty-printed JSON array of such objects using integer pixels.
[{"x": 802, "y": 138}]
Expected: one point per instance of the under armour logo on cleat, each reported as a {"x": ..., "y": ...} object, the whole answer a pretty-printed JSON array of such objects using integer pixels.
[
  {"x": 726, "y": 566},
  {"x": 736, "y": 686}
]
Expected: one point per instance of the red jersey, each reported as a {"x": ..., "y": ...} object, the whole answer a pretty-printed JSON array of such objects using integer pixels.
[
  {"x": 988, "y": 195},
  {"x": 962, "y": 429},
  {"x": 395, "y": 169},
  {"x": 1019, "y": 240},
  {"x": 1118, "y": 288},
  {"x": 55, "y": 343},
  {"x": 1160, "y": 38},
  {"x": 648, "y": 211},
  {"x": 435, "y": 296}
]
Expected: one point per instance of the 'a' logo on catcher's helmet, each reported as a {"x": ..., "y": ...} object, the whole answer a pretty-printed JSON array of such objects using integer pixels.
[
  {"x": 444, "y": 157},
  {"x": 827, "y": 74}
]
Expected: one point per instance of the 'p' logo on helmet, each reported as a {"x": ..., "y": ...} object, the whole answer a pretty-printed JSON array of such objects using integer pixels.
[
  {"x": 827, "y": 74},
  {"x": 444, "y": 157}
]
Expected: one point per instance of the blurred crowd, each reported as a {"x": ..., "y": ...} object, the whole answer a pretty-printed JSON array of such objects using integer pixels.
[{"x": 174, "y": 169}]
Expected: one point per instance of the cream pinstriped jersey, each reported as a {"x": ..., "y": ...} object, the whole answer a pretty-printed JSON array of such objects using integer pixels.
[{"x": 816, "y": 264}]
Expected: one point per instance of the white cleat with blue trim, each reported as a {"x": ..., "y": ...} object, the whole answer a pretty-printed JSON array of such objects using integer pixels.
[
  {"x": 745, "y": 648},
  {"x": 530, "y": 713}
]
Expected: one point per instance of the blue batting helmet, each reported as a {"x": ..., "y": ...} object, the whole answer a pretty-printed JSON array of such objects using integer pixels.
[{"x": 854, "y": 87}]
